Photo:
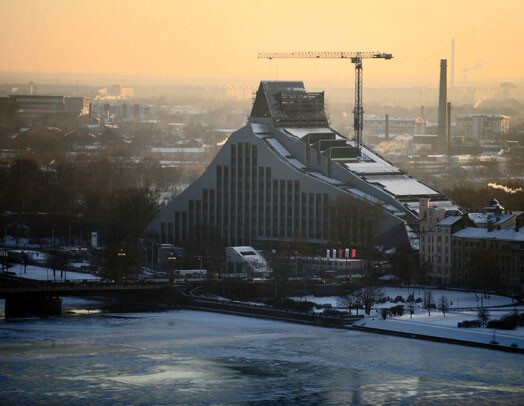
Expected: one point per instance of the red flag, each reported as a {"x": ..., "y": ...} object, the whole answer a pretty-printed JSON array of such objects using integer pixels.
[{"x": 353, "y": 253}]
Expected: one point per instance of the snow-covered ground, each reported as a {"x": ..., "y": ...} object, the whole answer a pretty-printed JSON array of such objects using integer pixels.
[
  {"x": 456, "y": 299},
  {"x": 438, "y": 325},
  {"x": 46, "y": 274},
  {"x": 463, "y": 306}
]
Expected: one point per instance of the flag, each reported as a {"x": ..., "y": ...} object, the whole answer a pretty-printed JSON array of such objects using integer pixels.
[{"x": 353, "y": 253}]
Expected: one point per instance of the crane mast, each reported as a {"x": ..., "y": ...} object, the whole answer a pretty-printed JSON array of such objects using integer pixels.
[{"x": 356, "y": 58}]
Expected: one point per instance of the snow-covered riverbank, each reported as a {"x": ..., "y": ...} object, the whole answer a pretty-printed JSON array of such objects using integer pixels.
[{"x": 462, "y": 306}]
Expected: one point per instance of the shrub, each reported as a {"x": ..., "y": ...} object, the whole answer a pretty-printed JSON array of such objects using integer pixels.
[
  {"x": 397, "y": 310},
  {"x": 384, "y": 313},
  {"x": 469, "y": 324},
  {"x": 507, "y": 322},
  {"x": 333, "y": 312}
]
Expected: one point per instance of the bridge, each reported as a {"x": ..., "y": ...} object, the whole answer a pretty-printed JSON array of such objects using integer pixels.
[{"x": 31, "y": 297}]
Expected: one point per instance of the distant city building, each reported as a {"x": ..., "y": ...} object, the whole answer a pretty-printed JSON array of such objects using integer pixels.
[
  {"x": 374, "y": 125},
  {"x": 77, "y": 105},
  {"x": 30, "y": 107},
  {"x": 508, "y": 90},
  {"x": 481, "y": 126},
  {"x": 117, "y": 111},
  {"x": 436, "y": 228},
  {"x": 116, "y": 92},
  {"x": 278, "y": 179},
  {"x": 7, "y": 108}
]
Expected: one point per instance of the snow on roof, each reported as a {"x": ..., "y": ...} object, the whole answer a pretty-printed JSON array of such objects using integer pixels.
[
  {"x": 402, "y": 186},
  {"x": 364, "y": 195},
  {"x": 297, "y": 163},
  {"x": 370, "y": 167},
  {"x": 483, "y": 115},
  {"x": 260, "y": 128},
  {"x": 448, "y": 221},
  {"x": 372, "y": 163},
  {"x": 278, "y": 147},
  {"x": 245, "y": 251},
  {"x": 302, "y": 132},
  {"x": 507, "y": 234},
  {"x": 413, "y": 238},
  {"x": 325, "y": 178},
  {"x": 483, "y": 218}
]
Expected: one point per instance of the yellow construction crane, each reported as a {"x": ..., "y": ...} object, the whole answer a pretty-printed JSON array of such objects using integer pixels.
[{"x": 356, "y": 58}]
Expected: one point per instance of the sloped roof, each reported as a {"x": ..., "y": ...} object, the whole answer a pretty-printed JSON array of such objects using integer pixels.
[
  {"x": 508, "y": 234},
  {"x": 449, "y": 221}
]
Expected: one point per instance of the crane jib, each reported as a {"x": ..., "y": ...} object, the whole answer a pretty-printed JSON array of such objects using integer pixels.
[{"x": 356, "y": 58}]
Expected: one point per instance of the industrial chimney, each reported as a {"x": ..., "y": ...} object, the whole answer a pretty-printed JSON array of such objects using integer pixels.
[
  {"x": 442, "y": 108},
  {"x": 452, "y": 83},
  {"x": 448, "y": 125},
  {"x": 386, "y": 131}
]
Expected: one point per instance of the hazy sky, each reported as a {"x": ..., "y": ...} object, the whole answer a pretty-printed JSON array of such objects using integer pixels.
[{"x": 220, "y": 39}]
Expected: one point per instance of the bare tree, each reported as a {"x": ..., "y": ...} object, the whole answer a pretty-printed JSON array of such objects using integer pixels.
[
  {"x": 348, "y": 301},
  {"x": 369, "y": 296},
  {"x": 411, "y": 308},
  {"x": 443, "y": 305},
  {"x": 483, "y": 316},
  {"x": 428, "y": 300}
]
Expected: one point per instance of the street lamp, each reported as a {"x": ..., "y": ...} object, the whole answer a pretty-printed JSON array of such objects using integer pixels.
[
  {"x": 172, "y": 259},
  {"x": 121, "y": 256}
]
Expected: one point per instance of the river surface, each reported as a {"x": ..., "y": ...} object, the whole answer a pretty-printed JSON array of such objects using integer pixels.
[{"x": 188, "y": 357}]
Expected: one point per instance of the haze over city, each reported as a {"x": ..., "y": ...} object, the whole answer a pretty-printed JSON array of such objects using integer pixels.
[{"x": 219, "y": 40}]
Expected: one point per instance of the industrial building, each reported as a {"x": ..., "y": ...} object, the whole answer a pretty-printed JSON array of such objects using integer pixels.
[
  {"x": 30, "y": 107},
  {"x": 482, "y": 126},
  {"x": 286, "y": 174}
]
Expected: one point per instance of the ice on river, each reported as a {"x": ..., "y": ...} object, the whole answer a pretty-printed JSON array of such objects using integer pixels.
[{"x": 187, "y": 357}]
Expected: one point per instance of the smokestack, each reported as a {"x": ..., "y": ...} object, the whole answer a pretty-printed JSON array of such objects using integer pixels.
[
  {"x": 90, "y": 111},
  {"x": 453, "y": 63},
  {"x": 448, "y": 113},
  {"x": 422, "y": 112},
  {"x": 386, "y": 131},
  {"x": 442, "y": 100}
]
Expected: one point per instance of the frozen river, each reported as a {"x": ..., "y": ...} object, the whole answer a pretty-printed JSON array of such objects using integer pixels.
[{"x": 187, "y": 357}]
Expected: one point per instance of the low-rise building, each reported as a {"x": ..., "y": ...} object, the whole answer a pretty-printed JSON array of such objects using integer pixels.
[
  {"x": 452, "y": 246},
  {"x": 501, "y": 250}
]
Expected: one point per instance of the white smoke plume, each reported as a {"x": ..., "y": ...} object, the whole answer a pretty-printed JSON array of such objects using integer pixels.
[
  {"x": 505, "y": 188},
  {"x": 477, "y": 66}
]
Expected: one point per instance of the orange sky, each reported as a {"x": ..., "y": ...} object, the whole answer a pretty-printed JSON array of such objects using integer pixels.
[{"x": 220, "y": 39}]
